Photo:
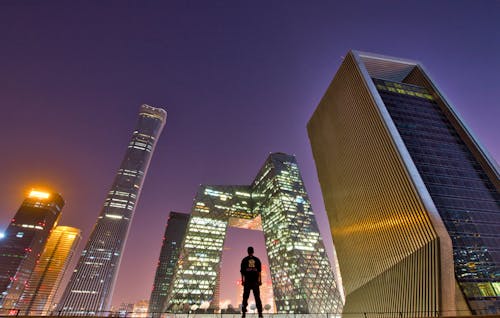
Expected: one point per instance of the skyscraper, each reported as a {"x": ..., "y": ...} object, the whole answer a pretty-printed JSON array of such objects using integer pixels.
[
  {"x": 91, "y": 286},
  {"x": 412, "y": 197},
  {"x": 38, "y": 296},
  {"x": 167, "y": 263},
  {"x": 24, "y": 241},
  {"x": 278, "y": 204}
]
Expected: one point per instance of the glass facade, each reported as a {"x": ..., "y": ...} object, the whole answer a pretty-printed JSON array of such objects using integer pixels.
[
  {"x": 412, "y": 196},
  {"x": 197, "y": 277},
  {"x": 90, "y": 288},
  {"x": 23, "y": 243},
  {"x": 464, "y": 195},
  {"x": 169, "y": 255},
  {"x": 303, "y": 281},
  {"x": 38, "y": 296}
]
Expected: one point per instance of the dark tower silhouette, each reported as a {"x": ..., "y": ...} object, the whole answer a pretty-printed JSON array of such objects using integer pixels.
[{"x": 167, "y": 263}]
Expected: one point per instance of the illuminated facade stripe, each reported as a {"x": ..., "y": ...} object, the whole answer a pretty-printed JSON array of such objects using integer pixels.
[
  {"x": 91, "y": 286},
  {"x": 23, "y": 243},
  {"x": 389, "y": 224},
  {"x": 302, "y": 277},
  {"x": 38, "y": 296}
]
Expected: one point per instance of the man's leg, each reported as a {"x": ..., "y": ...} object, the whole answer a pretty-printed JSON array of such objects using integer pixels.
[
  {"x": 258, "y": 302},
  {"x": 246, "y": 294}
]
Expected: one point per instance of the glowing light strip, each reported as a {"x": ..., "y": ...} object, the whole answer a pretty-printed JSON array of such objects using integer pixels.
[
  {"x": 39, "y": 194},
  {"x": 114, "y": 216}
]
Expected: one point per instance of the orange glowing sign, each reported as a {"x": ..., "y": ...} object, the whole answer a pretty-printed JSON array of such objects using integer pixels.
[{"x": 39, "y": 194}]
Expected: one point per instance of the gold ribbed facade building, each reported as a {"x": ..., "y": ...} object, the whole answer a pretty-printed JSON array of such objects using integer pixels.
[
  {"x": 39, "y": 294},
  {"x": 394, "y": 250}
]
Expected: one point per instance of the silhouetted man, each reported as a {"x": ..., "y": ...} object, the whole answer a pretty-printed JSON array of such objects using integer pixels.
[{"x": 251, "y": 280}]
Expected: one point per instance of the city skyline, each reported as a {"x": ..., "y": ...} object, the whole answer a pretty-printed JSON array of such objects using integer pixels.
[{"x": 238, "y": 82}]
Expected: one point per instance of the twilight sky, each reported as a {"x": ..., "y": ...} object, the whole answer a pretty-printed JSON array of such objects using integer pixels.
[{"x": 239, "y": 79}]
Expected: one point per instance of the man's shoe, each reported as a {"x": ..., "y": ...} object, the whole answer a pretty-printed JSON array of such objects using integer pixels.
[{"x": 243, "y": 315}]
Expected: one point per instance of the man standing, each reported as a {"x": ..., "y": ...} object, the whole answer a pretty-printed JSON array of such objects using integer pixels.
[{"x": 250, "y": 278}]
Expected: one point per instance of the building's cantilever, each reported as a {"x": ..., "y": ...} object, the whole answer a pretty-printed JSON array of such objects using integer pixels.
[{"x": 407, "y": 189}]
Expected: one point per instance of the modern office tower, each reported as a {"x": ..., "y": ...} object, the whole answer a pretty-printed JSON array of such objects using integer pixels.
[
  {"x": 91, "y": 286},
  {"x": 303, "y": 281},
  {"x": 412, "y": 197},
  {"x": 23, "y": 243},
  {"x": 38, "y": 296},
  {"x": 169, "y": 255}
]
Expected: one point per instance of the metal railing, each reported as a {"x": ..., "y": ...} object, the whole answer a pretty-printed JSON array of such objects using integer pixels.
[{"x": 235, "y": 314}]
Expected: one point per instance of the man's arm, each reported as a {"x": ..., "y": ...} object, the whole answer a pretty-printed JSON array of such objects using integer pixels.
[
  {"x": 259, "y": 269},
  {"x": 242, "y": 270}
]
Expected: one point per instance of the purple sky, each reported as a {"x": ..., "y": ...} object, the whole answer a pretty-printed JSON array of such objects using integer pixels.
[{"x": 239, "y": 79}]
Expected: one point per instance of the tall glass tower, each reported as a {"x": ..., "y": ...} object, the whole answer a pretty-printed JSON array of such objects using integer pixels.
[
  {"x": 167, "y": 263},
  {"x": 413, "y": 199},
  {"x": 23, "y": 243},
  {"x": 276, "y": 203},
  {"x": 38, "y": 296},
  {"x": 91, "y": 286}
]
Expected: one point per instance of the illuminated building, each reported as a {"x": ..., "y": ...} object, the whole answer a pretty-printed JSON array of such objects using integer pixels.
[
  {"x": 169, "y": 254},
  {"x": 24, "y": 241},
  {"x": 125, "y": 309},
  {"x": 411, "y": 195},
  {"x": 266, "y": 290},
  {"x": 140, "y": 309},
  {"x": 91, "y": 286},
  {"x": 38, "y": 296},
  {"x": 277, "y": 203}
]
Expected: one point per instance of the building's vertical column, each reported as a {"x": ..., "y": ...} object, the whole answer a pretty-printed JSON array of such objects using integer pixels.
[
  {"x": 90, "y": 288},
  {"x": 197, "y": 277},
  {"x": 303, "y": 280},
  {"x": 195, "y": 281}
]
